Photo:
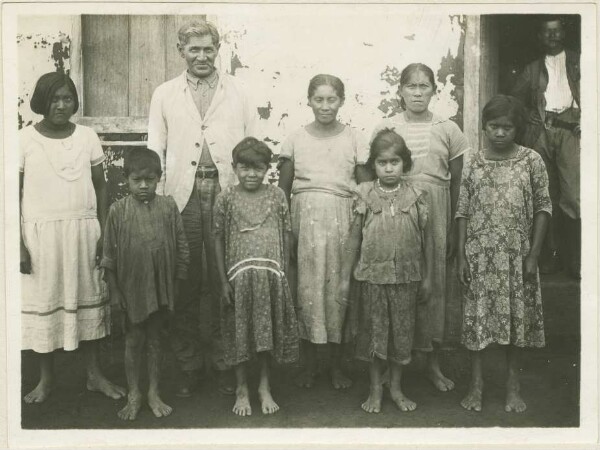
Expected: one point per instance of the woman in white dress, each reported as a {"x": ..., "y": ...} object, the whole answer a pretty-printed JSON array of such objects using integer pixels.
[{"x": 63, "y": 206}]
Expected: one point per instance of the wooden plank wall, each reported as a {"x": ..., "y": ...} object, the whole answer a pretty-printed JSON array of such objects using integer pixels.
[{"x": 125, "y": 58}]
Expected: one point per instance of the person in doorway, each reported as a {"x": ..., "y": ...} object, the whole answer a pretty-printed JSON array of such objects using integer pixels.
[
  {"x": 194, "y": 121},
  {"x": 549, "y": 88},
  {"x": 63, "y": 206},
  {"x": 437, "y": 147}
]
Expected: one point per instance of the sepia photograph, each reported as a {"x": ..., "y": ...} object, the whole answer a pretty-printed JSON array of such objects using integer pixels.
[{"x": 248, "y": 221}]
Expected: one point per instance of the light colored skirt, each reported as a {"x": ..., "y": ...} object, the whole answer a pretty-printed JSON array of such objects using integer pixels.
[
  {"x": 440, "y": 319},
  {"x": 64, "y": 300},
  {"x": 321, "y": 224}
]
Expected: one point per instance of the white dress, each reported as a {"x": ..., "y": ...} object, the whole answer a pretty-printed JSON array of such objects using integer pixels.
[{"x": 64, "y": 300}]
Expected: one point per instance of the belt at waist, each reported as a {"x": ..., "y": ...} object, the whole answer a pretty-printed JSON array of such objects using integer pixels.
[
  {"x": 553, "y": 121},
  {"x": 206, "y": 172}
]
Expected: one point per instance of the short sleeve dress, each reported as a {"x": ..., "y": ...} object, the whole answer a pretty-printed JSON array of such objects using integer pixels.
[
  {"x": 433, "y": 145},
  {"x": 389, "y": 270},
  {"x": 64, "y": 300},
  {"x": 145, "y": 245},
  {"x": 499, "y": 199},
  {"x": 262, "y": 317},
  {"x": 322, "y": 192}
]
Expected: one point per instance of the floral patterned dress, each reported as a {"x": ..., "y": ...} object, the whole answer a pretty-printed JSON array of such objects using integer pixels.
[
  {"x": 500, "y": 199},
  {"x": 262, "y": 317}
]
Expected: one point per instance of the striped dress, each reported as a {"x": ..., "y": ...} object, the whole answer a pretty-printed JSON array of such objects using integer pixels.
[
  {"x": 433, "y": 145},
  {"x": 262, "y": 319}
]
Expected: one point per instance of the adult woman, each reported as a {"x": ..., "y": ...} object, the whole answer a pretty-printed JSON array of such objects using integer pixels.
[
  {"x": 437, "y": 147},
  {"x": 63, "y": 206}
]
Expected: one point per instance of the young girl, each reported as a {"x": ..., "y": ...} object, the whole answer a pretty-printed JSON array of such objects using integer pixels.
[
  {"x": 502, "y": 216},
  {"x": 320, "y": 164},
  {"x": 63, "y": 205},
  {"x": 252, "y": 242},
  {"x": 145, "y": 256},
  {"x": 392, "y": 241}
]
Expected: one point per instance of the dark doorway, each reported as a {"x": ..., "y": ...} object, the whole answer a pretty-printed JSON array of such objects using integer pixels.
[{"x": 518, "y": 43}]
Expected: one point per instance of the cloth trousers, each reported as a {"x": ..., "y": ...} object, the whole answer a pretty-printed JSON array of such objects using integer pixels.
[{"x": 196, "y": 335}]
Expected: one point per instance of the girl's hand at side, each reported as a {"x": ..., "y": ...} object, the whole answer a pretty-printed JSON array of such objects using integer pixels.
[
  {"x": 426, "y": 289},
  {"x": 118, "y": 301},
  {"x": 530, "y": 267},
  {"x": 226, "y": 294},
  {"x": 25, "y": 260},
  {"x": 344, "y": 291},
  {"x": 99, "y": 247},
  {"x": 463, "y": 271}
]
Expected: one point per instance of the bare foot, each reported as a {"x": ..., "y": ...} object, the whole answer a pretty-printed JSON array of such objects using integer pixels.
[
  {"x": 402, "y": 401},
  {"x": 242, "y": 402},
  {"x": 99, "y": 383},
  {"x": 339, "y": 380},
  {"x": 373, "y": 402},
  {"x": 131, "y": 409},
  {"x": 268, "y": 405},
  {"x": 158, "y": 407},
  {"x": 306, "y": 379},
  {"x": 514, "y": 401},
  {"x": 39, "y": 394},
  {"x": 472, "y": 401},
  {"x": 440, "y": 382}
]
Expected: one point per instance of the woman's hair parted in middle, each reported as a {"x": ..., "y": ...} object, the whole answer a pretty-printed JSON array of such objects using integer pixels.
[
  {"x": 141, "y": 159},
  {"x": 251, "y": 151},
  {"x": 409, "y": 70},
  {"x": 386, "y": 139},
  {"x": 505, "y": 105},
  {"x": 328, "y": 80}
]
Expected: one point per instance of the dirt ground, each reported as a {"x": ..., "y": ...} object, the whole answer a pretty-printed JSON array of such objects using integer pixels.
[{"x": 550, "y": 386}]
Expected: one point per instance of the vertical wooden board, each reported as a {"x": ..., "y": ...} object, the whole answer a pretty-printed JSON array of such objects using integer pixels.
[
  {"x": 105, "y": 60},
  {"x": 174, "y": 63},
  {"x": 472, "y": 68},
  {"x": 146, "y": 61},
  {"x": 76, "y": 70}
]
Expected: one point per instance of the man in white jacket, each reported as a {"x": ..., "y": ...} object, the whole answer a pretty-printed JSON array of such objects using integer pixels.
[{"x": 195, "y": 120}]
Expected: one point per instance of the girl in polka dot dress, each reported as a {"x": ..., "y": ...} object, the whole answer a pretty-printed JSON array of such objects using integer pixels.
[{"x": 252, "y": 241}]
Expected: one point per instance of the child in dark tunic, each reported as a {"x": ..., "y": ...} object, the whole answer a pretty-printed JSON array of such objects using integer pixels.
[
  {"x": 145, "y": 256},
  {"x": 390, "y": 248},
  {"x": 252, "y": 241}
]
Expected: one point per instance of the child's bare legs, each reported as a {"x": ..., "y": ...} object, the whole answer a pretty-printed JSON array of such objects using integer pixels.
[
  {"x": 306, "y": 378},
  {"x": 514, "y": 402},
  {"x": 434, "y": 372},
  {"x": 158, "y": 407},
  {"x": 338, "y": 379},
  {"x": 402, "y": 401},
  {"x": 42, "y": 390},
  {"x": 242, "y": 398},
  {"x": 96, "y": 381},
  {"x": 134, "y": 343},
  {"x": 373, "y": 402},
  {"x": 264, "y": 387},
  {"x": 472, "y": 400}
]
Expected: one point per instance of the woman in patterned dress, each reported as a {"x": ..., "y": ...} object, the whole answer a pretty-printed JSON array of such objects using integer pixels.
[{"x": 502, "y": 217}]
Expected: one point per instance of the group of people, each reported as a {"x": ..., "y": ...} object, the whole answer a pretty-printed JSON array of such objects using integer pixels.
[{"x": 352, "y": 248}]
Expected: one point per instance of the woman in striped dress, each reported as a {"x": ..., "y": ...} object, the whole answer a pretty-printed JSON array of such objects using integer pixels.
[{"x": 437, "y": 146}]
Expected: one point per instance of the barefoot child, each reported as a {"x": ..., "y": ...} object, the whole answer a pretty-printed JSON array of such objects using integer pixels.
[
  {"x": 320, "y": 166},
  {"x": 502, "y": 216},
  {"x": 63, "y": 205},
  {"x": 145, "y": 256},
  {"x": 252, "y": 241},
  {"x": 392, "y": 246}
]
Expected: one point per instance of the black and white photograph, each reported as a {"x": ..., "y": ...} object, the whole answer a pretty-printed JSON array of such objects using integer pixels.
[{"x": 319, "y": 224}]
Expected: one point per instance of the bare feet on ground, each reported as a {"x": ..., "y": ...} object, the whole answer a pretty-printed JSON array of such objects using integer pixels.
[
  {"x": 99, "y": 383},
  {"x": 158, "y": 407},
  {"x": 440, "y": 382},
  {"x": 339, "y": 380},
  {"x": 268, "y": 405},
  {"x": 402, "y": 401},
  {"x": 132, "y": 408},
  {"x": 306, "y": 379},
  {"x": 514, "y": 401},
  {"x": 242, "y": 402},
  {"x": 373, "y": 403},
  {"x": 472, "y": 401},
  {"x": 39, "y": 394}
]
